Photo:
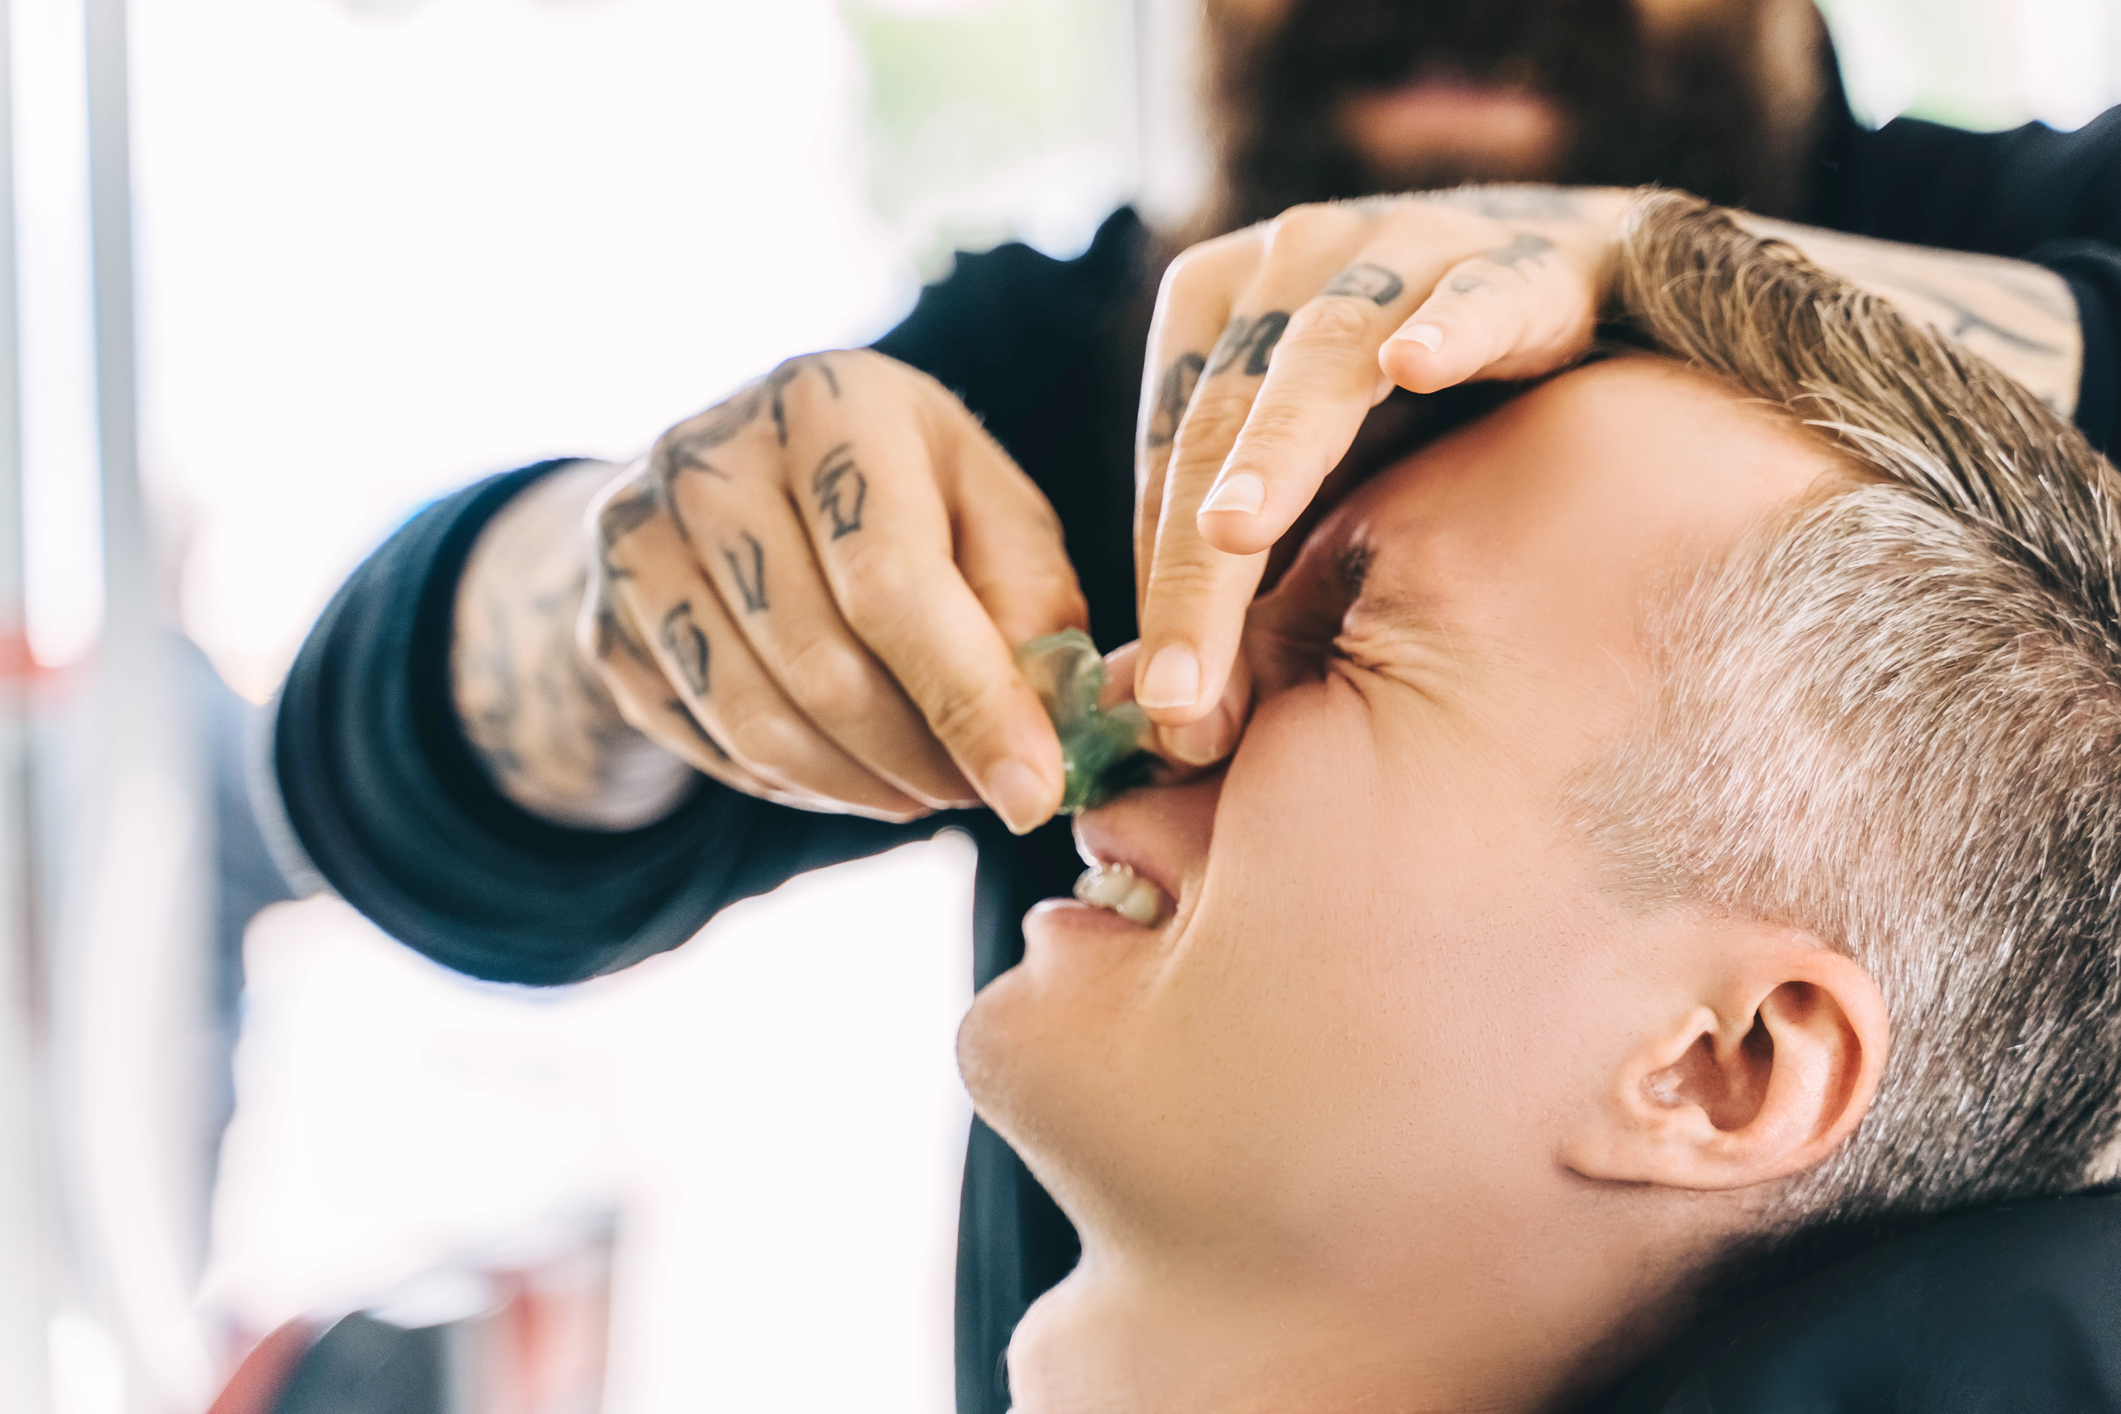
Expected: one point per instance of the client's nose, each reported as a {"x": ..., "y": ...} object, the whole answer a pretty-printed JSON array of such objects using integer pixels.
[{"x": 1198, "y": 744}]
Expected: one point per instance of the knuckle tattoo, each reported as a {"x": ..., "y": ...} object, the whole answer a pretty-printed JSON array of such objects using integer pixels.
[
  {"x": 686, "y": 643},
  {"x": 1250, "y": 340},
  {"x": 1174, "y": 394},
  {"x": 690, "y": 725},
  {"x": 685, "y": 447},
  {"x": 748, "y": 570},
  {"x": 615, "y": 637},
  {"x": 1367, "y": 280},
  {"x": 617, "y": 519},
  {"x": 1526, "y": 246},
  {"x": 840, "y": 488}
]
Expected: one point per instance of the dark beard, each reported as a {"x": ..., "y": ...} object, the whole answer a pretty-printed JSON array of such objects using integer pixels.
[{"x": 1689, "y": 112}]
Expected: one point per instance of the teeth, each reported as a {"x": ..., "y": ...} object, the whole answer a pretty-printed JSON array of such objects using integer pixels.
[{"x": 1118, "y": 889}]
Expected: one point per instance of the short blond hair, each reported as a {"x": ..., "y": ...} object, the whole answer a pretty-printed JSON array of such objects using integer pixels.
[{"x": 1893, "y": 719}]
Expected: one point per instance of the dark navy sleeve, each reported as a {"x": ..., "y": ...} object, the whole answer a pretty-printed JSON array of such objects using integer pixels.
[
  {"x": 389, "y": 804},
  {"x": 2093, "y": 270},
  {"x": 2031, "y": 193}
]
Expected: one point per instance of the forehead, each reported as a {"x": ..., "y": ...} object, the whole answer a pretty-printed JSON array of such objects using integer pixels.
[{"x": 1552, "y": 518}]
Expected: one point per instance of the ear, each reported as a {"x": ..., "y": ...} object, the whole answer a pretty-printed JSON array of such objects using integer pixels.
[{"x": 1762, "y": 1077}]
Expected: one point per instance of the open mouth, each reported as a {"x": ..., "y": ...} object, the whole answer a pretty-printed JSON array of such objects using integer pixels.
[{"x": 1118, "y": 889}]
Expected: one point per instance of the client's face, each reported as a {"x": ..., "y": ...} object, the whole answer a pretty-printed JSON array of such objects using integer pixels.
[{"x": 1387, "y": 979}]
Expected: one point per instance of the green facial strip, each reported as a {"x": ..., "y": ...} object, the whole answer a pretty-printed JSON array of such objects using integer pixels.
[{"x": 1101, "y": 748}]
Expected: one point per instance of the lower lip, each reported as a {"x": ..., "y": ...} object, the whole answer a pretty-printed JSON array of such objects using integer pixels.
[{"x": 1061, "y": 918}]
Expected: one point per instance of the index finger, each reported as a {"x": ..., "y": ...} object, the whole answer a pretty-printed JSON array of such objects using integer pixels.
[
  {"x": 1192, "y": 309},
  {"x": 1196, "y": 590},
  {"x": 1325, "y": 378}
]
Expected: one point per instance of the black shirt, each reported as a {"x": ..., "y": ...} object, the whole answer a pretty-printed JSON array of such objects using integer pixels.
[{"x": 393, "y": 809}]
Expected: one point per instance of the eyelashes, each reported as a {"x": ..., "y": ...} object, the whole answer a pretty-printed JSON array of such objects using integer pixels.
[{"x": 1352, "y": 567}]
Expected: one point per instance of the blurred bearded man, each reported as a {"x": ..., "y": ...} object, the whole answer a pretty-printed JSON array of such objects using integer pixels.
[
  {"x": 1316, "y": 99},
  {"x": 567, "y": 715}
]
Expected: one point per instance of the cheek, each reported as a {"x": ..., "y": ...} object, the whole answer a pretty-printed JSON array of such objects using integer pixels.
[
  {"x": 1346, "y": 935},
  {"x": 1380, "y": 940}
]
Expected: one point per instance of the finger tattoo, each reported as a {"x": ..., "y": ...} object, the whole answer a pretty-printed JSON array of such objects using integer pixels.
[
  {"x": 1173, "y": 396},
  {"x": 1511, "y": 203},
  {"x": 688, "y": 450},
  {"x": 623, "y": 514},
  {"x": 722, "y": 422},
  {"x": 1528, "y": 245},
  {"x": 1252, "y": 340},
  {"x": 840, "y": 488},
  {"x": 1367, "y": 281},
  {"x": 776, "y": 384},
  {"x": 753, "y": 586},
  {"x": 685, "y": 643},
  {"x": 699, "y": 733},
  {"x": 613, "y": 635}
]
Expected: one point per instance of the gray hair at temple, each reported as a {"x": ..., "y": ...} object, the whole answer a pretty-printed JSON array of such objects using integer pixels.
[{"x": 1892, "y": 719}]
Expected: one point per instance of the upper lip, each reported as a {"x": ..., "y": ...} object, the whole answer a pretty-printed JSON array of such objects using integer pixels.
[{"x": 1104, "y": 837}]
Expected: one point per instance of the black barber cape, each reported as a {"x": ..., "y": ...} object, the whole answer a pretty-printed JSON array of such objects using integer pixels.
[{"x": 385, "y": 797}]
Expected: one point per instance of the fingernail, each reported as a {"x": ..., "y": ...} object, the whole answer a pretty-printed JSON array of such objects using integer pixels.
[
  {"x": 1173, "y": 678},
  {"x": 1196, "y": 743},
  {"x": 1240, "y": 491},
  {"x": 1427, "y": 335},
  {"x": 1018, "y": 795}
]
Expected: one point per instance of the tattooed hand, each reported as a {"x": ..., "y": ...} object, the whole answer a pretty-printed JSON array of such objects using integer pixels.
[
  {"x": 793, "y": 593},
  {"x": 1272, "y": 344},
  {"x": 1269, "y": 348}
]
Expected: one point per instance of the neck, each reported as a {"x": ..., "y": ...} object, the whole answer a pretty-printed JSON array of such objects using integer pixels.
[
  {"x": 1108, "y": 1341},
  {"x": 1516, "y": 1327}
]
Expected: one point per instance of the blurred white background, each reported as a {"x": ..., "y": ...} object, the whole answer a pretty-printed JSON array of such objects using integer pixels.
[{"x": 386, "y": 247}]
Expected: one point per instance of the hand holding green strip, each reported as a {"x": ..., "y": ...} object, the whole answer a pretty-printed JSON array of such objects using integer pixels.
[{"x": 1101, "y": 747}]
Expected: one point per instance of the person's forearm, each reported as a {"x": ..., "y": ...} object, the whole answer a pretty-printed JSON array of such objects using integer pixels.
[
  {"x": 540, "y": 720},
  {"x": 2018, "y": 316}
]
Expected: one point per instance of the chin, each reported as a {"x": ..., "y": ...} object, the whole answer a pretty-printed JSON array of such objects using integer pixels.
[
  {"x": 1014, "y": 1054},
  {"x": 1048, "y": 1072}
]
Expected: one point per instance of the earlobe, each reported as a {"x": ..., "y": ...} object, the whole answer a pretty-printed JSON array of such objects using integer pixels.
[{"x": 1761, "y": 1080}]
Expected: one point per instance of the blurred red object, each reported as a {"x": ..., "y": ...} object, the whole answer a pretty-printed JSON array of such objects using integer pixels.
[{"x": 508, "y": 1334}]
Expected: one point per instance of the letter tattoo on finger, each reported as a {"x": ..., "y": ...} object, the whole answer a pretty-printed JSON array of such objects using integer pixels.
[
  {"x": 1511, "y": 203},
  {"x": 614, "y": 636},
  {"x": 1528, "y": 245},
  {"x": 840, "y": 488},
  {"x": 687, "y": 450},
  {"x": 1252, "y": 340},
  {"x": 1369, "y": 281},
  {"x": 1173, "y": 396},
  {"x": 622, "y": 515},
  {"x": 691, "y": 723},
  {"x": 687, "y": 646},
  {"x": 753, "y": 585}
]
